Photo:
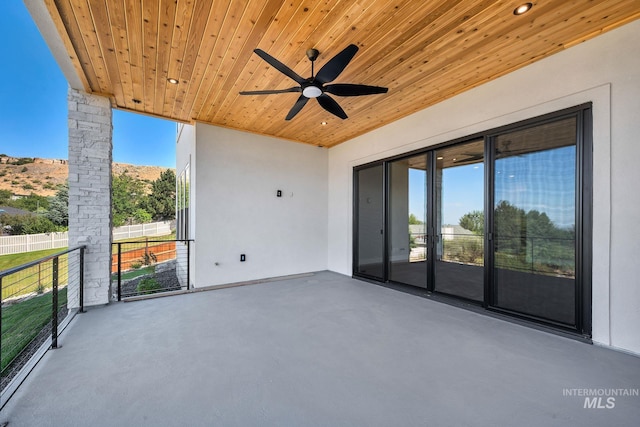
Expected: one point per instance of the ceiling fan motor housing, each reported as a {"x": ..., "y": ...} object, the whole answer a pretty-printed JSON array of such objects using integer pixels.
[{"x": 312, "y": 54}]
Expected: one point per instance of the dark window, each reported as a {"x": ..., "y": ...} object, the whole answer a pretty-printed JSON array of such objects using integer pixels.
[
  {"x": 369, "y": 259},
  {"x": 534, "y": 221}
]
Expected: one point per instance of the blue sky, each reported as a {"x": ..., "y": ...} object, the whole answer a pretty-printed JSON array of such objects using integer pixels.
[
  {"x": 463, "y": 192},
  {"x": 542, "y": 181},
  {"x": 33, "y": 103}
]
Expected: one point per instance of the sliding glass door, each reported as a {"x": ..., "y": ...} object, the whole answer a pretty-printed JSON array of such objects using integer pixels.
[
  {"x": 408, "y": 221},
  {"x": 534, "y": 221},
  {"x": 459, "y": 216},
  {"x": 369, "y": 247},
  {"x": 501, "y": 219}
]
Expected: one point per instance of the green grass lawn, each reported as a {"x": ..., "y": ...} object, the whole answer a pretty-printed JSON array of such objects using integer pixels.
[
  {"x": 33, "y": 278},
  {"x": 14, "y": 260},
  {"x": 131, "y": 274},
  {"x": 23, "y": 321}
]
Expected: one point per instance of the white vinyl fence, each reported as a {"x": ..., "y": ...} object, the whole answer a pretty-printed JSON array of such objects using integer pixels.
[
  {"x": 32, "y": 242},
  {"x": 38, "y": 242}
]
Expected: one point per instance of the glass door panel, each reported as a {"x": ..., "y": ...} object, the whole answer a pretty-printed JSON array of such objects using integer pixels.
[
  {"x": 370, "y": 222},
  {"x": 407, "y": 221},
  {"x": 534, "y": 221},
  {"x": 459, "y": 217}
]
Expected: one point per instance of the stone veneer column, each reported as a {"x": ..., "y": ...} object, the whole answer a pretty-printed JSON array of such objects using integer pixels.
[{"x": 90, "y": 154}]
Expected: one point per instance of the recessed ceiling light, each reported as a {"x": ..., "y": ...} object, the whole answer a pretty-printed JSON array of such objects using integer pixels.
[
  {"x": 323, "y": 123},
  {"x": 523, "y": 8},
  {"x": 172, "y": 81},
  {"x": 440, "y": 158}
]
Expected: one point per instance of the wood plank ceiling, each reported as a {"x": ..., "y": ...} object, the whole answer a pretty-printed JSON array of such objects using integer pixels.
[{"x": 423, "y": 51}]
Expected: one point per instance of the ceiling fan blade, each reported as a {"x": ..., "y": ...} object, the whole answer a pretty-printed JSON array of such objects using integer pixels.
[
  {"x": 279, "y": 66},
  {"x": 331, "y": 106},
  {"x": 269, "y": 92},
  {"x": 336, "y": 65},
  {"x": 297, "y": 107},
  {"x": 354, "y": 90}
]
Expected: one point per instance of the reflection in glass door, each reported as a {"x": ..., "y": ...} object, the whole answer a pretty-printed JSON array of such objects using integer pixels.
[
  {"x": 407, "y": 221},
  {"x": 370, "y": 222},
  {"x": 459, "y": 216},
  {"x": 534, "y": 221}
]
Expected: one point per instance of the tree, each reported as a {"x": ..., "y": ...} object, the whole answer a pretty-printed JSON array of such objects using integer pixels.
[
  {"x": 126, "y": 194},
  {"x": 474, "y": 222},
  {"x": 510, "y": 221},
  {"x": 27, "y": 224},
  {"x": 161, "y": 203},
  {"x": 141, "y": 216},
  {"x": 32, "y": 203},
  {"x": 413, "y": 220},
  {"x": 59, "y": 207}
]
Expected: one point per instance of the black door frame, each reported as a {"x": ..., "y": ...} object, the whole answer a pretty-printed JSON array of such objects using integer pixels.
[{"x": 584, "y": 223}]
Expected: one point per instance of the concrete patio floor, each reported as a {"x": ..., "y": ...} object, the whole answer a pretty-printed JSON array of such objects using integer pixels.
[{"x": 322, "y": 350}]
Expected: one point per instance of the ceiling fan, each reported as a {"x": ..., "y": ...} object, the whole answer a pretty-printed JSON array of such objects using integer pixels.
[{"x": 316, "y": 86}]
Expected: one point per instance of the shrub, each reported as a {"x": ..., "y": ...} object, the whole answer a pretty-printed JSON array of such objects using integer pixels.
[
  {"x": 24, "y": 169},
  {"x": 27, "y": 224},
  {"x": 136, "y": 265},
  {"x": 149, "y": 258},
  {"x": 23, "y": 161},
  {"x": 467, "y": 250},
  {"x": 148, "y": 285},
  {"x": 27, "y": 186}
]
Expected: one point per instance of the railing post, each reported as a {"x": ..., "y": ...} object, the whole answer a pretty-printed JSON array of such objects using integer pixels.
[
  {"x": 119, "y": 271},
  {"x": 532, "y": 256},
  {"x": 81, "y": 279},
  {"x": 54, "y": 305},
  {"x": 188, "y": 262}
]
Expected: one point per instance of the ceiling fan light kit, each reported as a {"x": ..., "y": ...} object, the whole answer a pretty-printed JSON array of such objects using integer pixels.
[{"x": 316, "y": 86}]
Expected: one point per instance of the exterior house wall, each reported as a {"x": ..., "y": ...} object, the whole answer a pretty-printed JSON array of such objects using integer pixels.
[
  {"x": 235, "y": 177},
  {"x": 605, "y": 71}
]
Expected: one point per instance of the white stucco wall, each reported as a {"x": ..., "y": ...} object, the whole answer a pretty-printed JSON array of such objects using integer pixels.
[
  {"x": 236, "y": 177},
  {"x": 605, "y": 71}
]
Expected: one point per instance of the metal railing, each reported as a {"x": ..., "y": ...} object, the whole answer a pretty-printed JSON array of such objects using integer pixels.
[
  {"x": 150, "y": 266},
  {"x": 538, "y": 255},
  {"x": 461, "y": 248},
  {"x": 35, "y": 298}
]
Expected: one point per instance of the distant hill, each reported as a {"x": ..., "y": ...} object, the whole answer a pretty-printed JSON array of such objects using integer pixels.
[{"x": 26, "y": 175}]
